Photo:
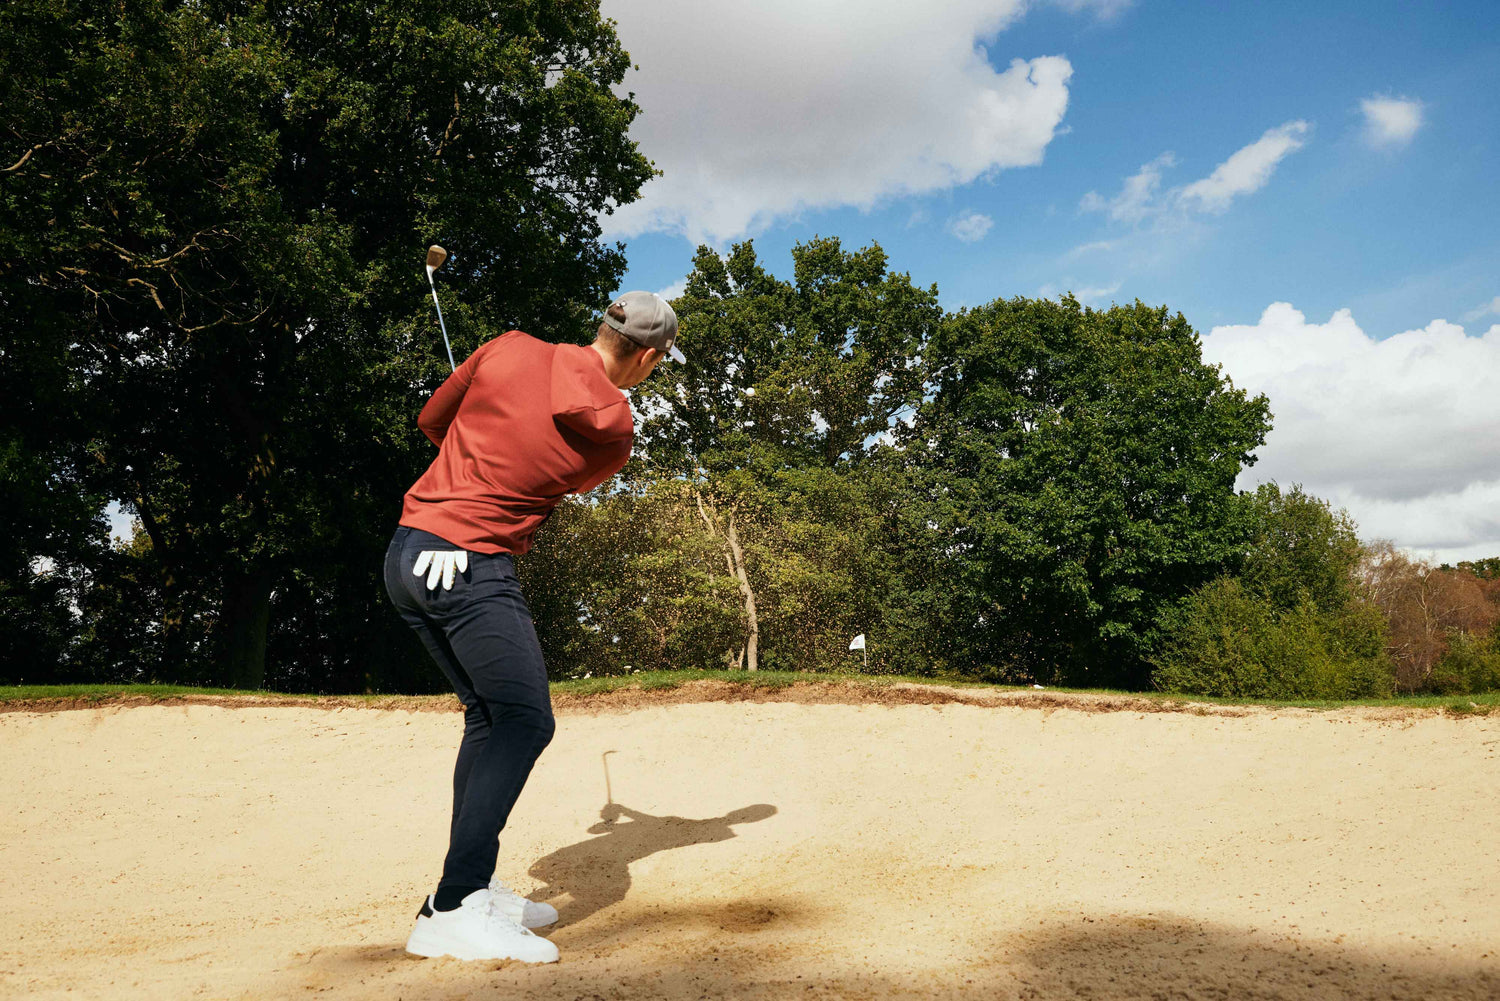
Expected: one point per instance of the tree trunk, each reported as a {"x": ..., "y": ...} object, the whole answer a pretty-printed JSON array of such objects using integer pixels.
[
  {"x": 734, "y": 558},
  {"x": 752, "y": 646},
  {"x": 243, "y": 623}
]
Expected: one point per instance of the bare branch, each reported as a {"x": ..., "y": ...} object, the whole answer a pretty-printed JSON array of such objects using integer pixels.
[
  {"x": 448, "y": 131},
  {"x": 22, "y": 162}
]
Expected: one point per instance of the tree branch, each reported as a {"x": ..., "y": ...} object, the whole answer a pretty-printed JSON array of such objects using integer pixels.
[{"x": 22, "y": 162}]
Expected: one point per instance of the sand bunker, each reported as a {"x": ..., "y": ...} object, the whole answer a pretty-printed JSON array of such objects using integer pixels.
[{"x": 763, "y": 850}]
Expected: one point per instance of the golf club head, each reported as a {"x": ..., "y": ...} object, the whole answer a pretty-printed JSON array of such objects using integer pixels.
[{"x": 435, "y": 257}]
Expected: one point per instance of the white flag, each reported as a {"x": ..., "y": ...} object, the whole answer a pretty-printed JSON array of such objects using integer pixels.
[{"x": 858, "y": 643}]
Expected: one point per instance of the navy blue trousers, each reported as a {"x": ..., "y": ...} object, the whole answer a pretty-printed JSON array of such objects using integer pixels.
[{"x": 481, "y": 636}]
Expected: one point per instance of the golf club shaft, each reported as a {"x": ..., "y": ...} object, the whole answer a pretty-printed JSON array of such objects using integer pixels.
[{"x": 441, "y": 324}]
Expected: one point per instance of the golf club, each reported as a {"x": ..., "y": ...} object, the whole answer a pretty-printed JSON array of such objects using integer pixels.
[{"x": 435, "y": 257}]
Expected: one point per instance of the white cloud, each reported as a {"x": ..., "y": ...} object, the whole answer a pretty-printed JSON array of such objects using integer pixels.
[
  {"x": 1088, "y": 295},
  {"x": 756, "y": 111},
  {"x": 1105, "y": 9},
  {"x": 970, "y": 227},
  {"x": 1097, "y": 293},
  {"x": 1404, "y": 432},
  {"x": 673, "y": 290},
  {"x": 1480, "y": 312},
  {"x": 1246, "y": 171},
  {"x": 1391, "y": 121},
  {"x": 1089, "y": 248},
  {"x": 1137, "y": 199}
]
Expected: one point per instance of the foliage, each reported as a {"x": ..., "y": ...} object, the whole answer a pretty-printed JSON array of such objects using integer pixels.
[
  {"x": 1485, "y": 569},
  {"x": 770, "y": 430},
  {"x": 211, "y": 229},
  {"x": 628, "y": 581},
  {"x": 1040, "y": 464},
  {"x": 1471, "y": 664},
  {"x": 637, "y": 580},
  {"x": 1426, "y": 609},
  {"x": 51, "y": 521},
  {"x": 787, "y": 374},
  {"x": 1079, "y": 466},
  {"x": 1229, "y": 642},
  {"x": 1300, "y": 551}
]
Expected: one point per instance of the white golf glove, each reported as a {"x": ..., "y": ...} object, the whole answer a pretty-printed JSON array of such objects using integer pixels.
[{"x": 440, "y": 564}]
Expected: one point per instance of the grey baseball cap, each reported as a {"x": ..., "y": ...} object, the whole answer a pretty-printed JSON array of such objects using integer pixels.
[{"x": 649, "y": 321}]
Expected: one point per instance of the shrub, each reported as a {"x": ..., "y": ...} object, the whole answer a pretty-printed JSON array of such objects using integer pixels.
[
  {"x": 1471, "y": 665},
  {"x": 1227, "y": 642},
  {"x": 1425, "y": 607}
]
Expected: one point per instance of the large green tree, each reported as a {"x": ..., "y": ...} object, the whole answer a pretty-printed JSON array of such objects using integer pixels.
[
  {"x": 221, "y": 208},
  {"x": 790, "y": 386},
  {"x": 1080, "y": 467}
]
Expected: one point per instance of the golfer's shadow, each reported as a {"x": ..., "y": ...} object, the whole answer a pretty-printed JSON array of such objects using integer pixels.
[{"x": 596, "y": 873}]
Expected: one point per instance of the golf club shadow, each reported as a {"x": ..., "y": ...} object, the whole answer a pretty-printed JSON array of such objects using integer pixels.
[{"x": 595, "y": 873}]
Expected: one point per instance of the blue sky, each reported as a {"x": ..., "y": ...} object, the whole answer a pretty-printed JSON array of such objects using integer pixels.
[
  {"x": 1368, "y": 142},
  {"x": 1409, "y": 232}
]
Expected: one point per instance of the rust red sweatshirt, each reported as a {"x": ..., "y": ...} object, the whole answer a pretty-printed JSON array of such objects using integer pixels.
[{"x": 520, "y": 425}]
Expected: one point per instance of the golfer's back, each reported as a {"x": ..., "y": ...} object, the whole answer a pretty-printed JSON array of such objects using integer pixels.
[{"x": 520, "y": 424}]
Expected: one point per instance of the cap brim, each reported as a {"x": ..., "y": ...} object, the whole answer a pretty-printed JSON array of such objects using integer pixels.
[{"x": 675, "y": 353}]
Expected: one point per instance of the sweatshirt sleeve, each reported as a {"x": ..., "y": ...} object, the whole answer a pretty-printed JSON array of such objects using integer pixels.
[{"x": 443, "y": 407}]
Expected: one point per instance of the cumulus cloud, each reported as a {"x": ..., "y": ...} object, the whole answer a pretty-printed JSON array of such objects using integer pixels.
[
  {"x": 755, "y": 111},
  {"x": 970, "y": 227},
  {"x": 1391, "y": 121},
  {"x": 1404, "y": 432},
  {"x": 1246, "y": 171}
]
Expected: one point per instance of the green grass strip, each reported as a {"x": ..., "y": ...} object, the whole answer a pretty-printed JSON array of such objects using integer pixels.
[{"x": 1479, "y": 704}]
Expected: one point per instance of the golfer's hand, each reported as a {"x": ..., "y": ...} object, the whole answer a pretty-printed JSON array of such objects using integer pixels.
[{"x": 440, "y": 564}]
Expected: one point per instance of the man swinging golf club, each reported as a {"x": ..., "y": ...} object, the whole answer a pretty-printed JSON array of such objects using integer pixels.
[{"x": 519, "y": 425}]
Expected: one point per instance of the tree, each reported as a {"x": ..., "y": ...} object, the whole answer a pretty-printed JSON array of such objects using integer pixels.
[
  {"x": 52, "y": 520},
  {"x": 787, "y": 389},
  {"x": 1485, "y": 569},
  {"x": 223, "y": 205},
  {"x": 1425, "y": 609},
  {"x": 1079, "y": 467},
  {"x": 630, "y": 579},
  {"x": 1300, "y": 551}
]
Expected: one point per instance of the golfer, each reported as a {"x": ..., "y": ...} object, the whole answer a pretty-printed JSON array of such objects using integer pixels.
[{"x": 519, "y": 425}]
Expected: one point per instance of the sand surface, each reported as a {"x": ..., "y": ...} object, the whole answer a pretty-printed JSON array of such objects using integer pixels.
[{"x": 772, "y": 850}]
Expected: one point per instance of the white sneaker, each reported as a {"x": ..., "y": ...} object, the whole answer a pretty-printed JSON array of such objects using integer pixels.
[
  {"x": 476, "y": 929},
  {"x": 526, "y": 913}
]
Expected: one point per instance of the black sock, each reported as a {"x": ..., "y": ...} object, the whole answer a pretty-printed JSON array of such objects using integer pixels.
[{"x": 449, "y": 897}]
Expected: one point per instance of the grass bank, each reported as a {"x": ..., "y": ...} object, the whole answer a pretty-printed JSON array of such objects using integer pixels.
[{"x": 760, "y": 682}]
